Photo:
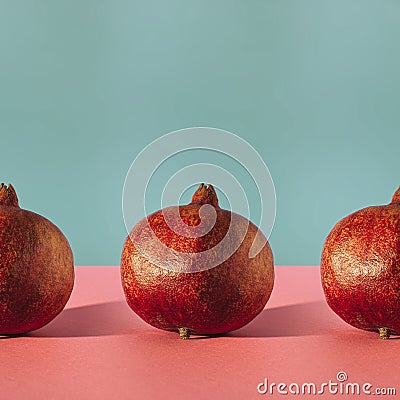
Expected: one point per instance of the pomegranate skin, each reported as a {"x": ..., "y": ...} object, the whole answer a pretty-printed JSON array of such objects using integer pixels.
[
  {"x": 212, "y": 301},
  {"x": 360, "y": 268},
  {"x": 36, "y": 268}
]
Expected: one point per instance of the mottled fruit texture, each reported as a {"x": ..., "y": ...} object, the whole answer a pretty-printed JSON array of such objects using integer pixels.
[
  {"x": 36, "y": 267},
  {"x": 360, "y": 268},
  {"x": 169, "y": 294}
]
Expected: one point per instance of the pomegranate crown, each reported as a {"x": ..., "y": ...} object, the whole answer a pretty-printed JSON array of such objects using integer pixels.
[
  {"x": 396, "y": 196},
  {"x": 8, "y": 196},
  {"x": 205, "y": 195}
]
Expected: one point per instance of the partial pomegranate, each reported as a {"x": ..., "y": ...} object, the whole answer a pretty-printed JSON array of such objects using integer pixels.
[
  {"x": 36, "y": 267},
  {"x": 360, "y": 268},
  {"x": 203, "y": 282}
]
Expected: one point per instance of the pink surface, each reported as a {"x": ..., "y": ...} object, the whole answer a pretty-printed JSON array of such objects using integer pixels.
[{"x": 98, "y": 349}]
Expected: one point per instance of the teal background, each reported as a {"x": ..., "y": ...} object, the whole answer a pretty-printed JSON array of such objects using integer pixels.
[{"x": 313, "y": 85}]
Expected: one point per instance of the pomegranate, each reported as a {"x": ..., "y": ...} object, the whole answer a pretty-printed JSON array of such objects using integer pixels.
[
  {"x": 360, "y": 268},
  {"x": 36, "y": 267},
  {"x": 203, "y": 282}
]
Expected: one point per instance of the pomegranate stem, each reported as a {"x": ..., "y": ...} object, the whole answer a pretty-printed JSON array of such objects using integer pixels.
[
  {"x": 384, "y": 333},
  {"x": 184, "y": 333}
]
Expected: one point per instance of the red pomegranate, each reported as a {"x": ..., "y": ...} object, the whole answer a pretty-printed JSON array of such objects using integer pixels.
[
  {"x": 202, "y": 282},
  {"x": 360, "y": 268},
  {"x": 36, "y": 267}
]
